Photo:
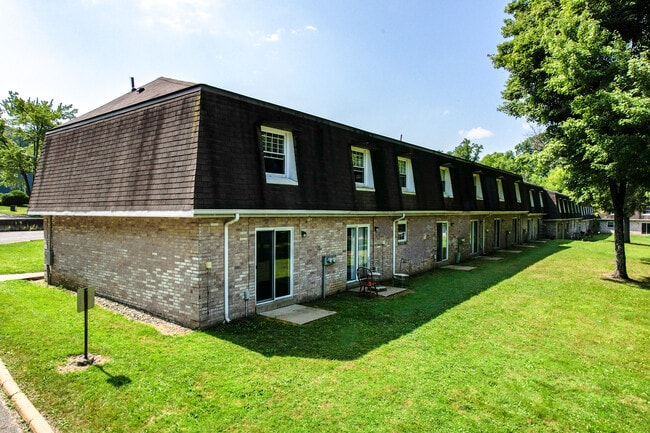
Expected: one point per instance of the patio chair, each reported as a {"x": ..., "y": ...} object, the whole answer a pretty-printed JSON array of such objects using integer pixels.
[{"x": 367, "y": 283}]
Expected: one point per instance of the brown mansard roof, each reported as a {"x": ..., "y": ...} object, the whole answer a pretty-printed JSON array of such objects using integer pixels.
[{"x": 179, "y": 147}]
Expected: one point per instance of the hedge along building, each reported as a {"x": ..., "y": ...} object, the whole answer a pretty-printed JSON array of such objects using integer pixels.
[{"x": 200, "y": 205}]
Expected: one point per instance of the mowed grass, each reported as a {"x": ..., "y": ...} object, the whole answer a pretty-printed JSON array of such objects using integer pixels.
[
  {"x": 21, "y": 257},
  {"x": 20, "y": 210},
  {"x": 541, "y": 341}
]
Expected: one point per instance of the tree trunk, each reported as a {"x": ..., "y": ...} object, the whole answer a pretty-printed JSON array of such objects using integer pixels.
[
  {"x": 618, "y": 200},
  {"x": 626, "y": 222},
  {"x": 28, "y": 187}
]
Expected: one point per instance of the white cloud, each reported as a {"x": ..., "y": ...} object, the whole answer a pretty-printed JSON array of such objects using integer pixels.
[
  {"x": 311, "y": 28},
  {"x": 187, "y": 16},
  {"x": 476, "y": 133},
  {"x": 274, "y": 37}
]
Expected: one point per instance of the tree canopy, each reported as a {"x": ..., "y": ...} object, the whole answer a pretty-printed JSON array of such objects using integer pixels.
[
  {"x": 467, "y": 150},
  {"x": 22, "y": 136},
  {"x": 580, "y": 68}
]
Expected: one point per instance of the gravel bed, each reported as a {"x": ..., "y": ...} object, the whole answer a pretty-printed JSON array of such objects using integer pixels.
[{"x": 163, "y": 326}]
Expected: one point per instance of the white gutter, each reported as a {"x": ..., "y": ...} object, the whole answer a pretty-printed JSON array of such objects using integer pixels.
[
  {"x": 226, "y": 281},
  {"x": 395, "y": 238}
]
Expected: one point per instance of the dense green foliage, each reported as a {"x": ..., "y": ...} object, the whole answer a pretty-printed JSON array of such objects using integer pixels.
[
  {"x": 537, "y": 342},
  {"x": 16, "y": 198},
  {"x": 22, "y": 134},
  {"x": 467, "y": 150},
  {"x": 580, "y": 68}
]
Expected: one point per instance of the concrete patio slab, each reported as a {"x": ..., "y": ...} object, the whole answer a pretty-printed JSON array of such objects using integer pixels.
[
  {"x": 459, "y": 268},
  {"x": 509, "y": 251},
  {"x": 538, "y": 242},
  {"x": 384, "y": 291},
  {"x": 297, "y": 314},
  {"x": 490, "y": 258},
  {"x": 526, "y": 246}
]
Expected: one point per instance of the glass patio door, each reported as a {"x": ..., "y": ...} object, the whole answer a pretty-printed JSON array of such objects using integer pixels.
[
  {"x": 273, "y": 264},
  {"x": 358, "y": 249}
]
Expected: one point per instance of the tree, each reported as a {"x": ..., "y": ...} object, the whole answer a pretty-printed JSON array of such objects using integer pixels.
[
  {"x": 467, "y": 150},
  {"x": 24, "y": 133},
  {"x": 501, "y": 160},
  {"x": 581, "y": 69}
]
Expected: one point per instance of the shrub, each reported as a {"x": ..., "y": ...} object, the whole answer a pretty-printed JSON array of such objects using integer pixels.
[{"x": 15, "y": 197}]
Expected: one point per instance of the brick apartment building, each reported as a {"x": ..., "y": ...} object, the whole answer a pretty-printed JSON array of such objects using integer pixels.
[{"x": 198, "y": 205}]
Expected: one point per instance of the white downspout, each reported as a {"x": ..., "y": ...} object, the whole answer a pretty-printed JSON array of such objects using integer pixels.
[
  {"x": 226, "y": 281},
  {"x": 394, "y": 241}
]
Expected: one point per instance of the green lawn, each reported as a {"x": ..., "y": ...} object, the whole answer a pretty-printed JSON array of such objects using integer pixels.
[
  {"x": 21, "y": 257},
  {"x": 20, "y": 210},
  {"x": 541, "y": 341}
]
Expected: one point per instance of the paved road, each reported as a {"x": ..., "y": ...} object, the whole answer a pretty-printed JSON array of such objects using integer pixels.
[
  {"x": 10, "y": 421},
  {"x": 11, "y": 237}
]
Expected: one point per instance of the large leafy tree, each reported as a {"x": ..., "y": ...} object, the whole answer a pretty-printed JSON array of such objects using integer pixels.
[
  {"x": 23, "y": 134},
  {"x": 467, "y": 150},
  {"x": 581, "y": 69}
]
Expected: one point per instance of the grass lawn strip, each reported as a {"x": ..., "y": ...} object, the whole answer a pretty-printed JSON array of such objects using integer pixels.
[{"x": 537, "y": 342}]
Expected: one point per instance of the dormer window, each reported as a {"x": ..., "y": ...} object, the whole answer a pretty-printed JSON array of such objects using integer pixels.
[
  {"x": 500, "y": 190},
  {"x": 279, "y": 157},
  {"x": 517, "y": 192},
  {"x": 445, "y": 180},
  {"x": 477, "y": 186},
  {"x": 541, "y": 199},
  {"x": 362, "y": 168},
  {"x": 531, "y": 197},
  {"x": 405, "y": 175}
]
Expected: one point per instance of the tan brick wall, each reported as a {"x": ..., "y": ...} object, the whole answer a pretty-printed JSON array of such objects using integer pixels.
[
  {"x": 148, "y": 263},
  {"x": 161, "y": 264}
]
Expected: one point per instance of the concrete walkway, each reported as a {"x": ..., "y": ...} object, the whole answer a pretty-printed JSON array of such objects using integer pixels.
[{"x": 30, "y": 276}]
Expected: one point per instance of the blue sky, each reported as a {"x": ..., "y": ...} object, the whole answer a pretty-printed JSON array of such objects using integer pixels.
[{"x": 412, "y": 68}]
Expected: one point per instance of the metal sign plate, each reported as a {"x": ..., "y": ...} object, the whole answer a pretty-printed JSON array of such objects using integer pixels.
[{"x": 80, "y": 299}]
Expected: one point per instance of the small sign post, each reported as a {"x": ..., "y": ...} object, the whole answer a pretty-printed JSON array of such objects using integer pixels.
[{"x": 85, "y": 301}]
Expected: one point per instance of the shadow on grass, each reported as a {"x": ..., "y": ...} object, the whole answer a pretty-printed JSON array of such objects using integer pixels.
[
  {"x": 116, "y": 381},
  {"x": 362, "y": 324}
]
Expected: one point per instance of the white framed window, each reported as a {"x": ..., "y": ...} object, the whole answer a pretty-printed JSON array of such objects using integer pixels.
[
  {"x": 279, "y": 156},
  {"x": 362, "y": 168},
  {"x": 477, "y": 186},
  {"x": 445, "y": 180},
  {"x": 645, "y": 228},
  {"x": 358, "y": 249},
  {"x": 541, "y": 199},
  {"x": 405, "y": 175},
  {"x": 500, "y": 190},
  {"x": 531, "y": 197},
  {"x": 473, "y": 236},
  {"x": 646, "y": 210},
  {"x": 517, "y": 192},
  {"x": 402, "y": 232}
]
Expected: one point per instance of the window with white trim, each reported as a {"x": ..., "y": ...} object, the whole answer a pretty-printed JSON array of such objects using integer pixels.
[
  {"x": 362, "y": 168},
  {"x": 500, "y": 190},
  {"x": 477, "y": 186},
  {"x": 646, "y": 210},
  {"x": 445, "y": 180},
  {"x": 517, "y": 192},
  {"x": 279, "y": 157},
  {"x": 541, "y": 199},
  {"x": 402, "y": 232},
  {"x": 531, "y": 198},
  {"x": 405, "y": 175}
]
